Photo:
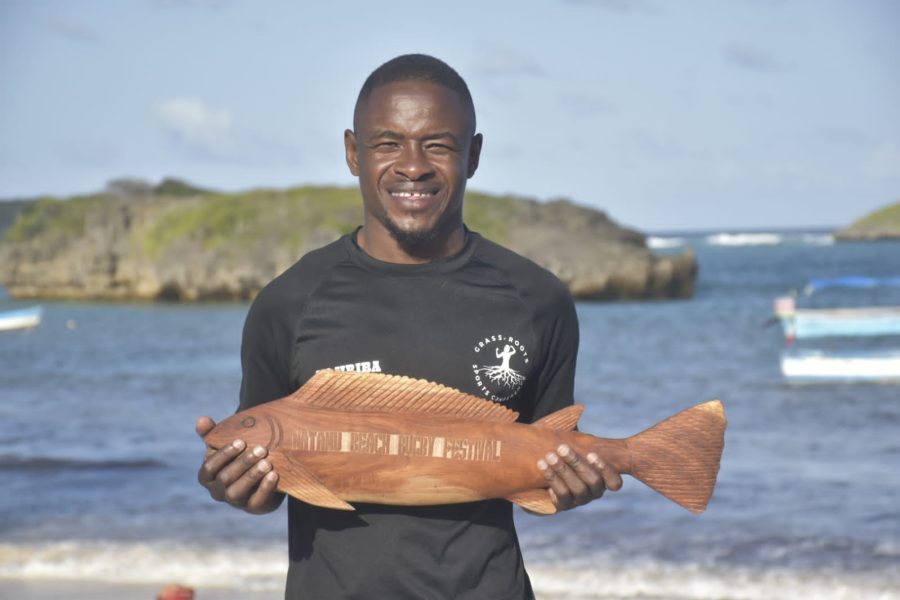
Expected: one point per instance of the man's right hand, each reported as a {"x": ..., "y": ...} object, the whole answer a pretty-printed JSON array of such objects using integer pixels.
[{"x": 238, "y": 475}]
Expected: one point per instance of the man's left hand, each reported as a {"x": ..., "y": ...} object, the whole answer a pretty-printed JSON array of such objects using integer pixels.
[{"x": 575, "y": 480}]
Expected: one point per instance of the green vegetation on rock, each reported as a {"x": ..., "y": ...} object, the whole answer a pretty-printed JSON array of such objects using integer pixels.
[
  {"x": 280, "y": 217},
  {"x": 884, "y": 223},
  {"x": 53, "y": 219},
  {"x": 178, "y": 241},
  {"x": 889, "y": 216}
]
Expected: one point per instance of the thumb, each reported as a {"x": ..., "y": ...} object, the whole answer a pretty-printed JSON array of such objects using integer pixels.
[{"x": 204, "y": 425}]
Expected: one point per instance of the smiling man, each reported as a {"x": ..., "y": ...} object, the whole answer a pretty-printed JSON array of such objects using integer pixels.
[
  {"x": 413, "y": 147},
  {"x": 412, "y": 292}
]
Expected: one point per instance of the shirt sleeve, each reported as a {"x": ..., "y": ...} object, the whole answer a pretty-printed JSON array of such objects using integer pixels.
[
  {"x": 266, "y": 350},
  {"x": 555, "y": 388}
]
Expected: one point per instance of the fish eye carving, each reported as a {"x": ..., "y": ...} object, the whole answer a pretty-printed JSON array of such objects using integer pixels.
[{"x": 248, "y": 422}]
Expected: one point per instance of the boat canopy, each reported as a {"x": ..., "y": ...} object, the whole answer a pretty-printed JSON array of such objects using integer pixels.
[{"x": 851, "y": 282}]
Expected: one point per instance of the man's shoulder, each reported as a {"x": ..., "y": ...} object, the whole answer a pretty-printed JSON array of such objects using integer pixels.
[
  {"x": 296, "y": 283},
  {"x": 531, "y": 279}
]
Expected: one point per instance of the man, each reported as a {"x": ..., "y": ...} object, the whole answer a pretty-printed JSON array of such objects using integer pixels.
[{"x": 412, "y": 292}]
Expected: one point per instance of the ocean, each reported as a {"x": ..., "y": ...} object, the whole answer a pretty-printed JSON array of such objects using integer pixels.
[{"x": 98, "y": 455}]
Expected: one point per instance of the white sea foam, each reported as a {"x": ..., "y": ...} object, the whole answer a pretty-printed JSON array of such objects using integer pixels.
[
  {"x": 239, "y": 566},
  {"x": 818, "y": 239},
  {"x": 744, "y": 239},
  {"x": 657, "y": 242},
  {"x": 690, "y": 582},
  {"x": 262, "y": 568}
]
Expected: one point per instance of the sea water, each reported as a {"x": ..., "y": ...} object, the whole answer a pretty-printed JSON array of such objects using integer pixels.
[{"x": 98, "y": 456}]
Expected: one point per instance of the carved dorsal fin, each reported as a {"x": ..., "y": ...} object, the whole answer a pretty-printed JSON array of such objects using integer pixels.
[
  {"x": 565, "y": 419},
  {"x": 377, "y": 392}
]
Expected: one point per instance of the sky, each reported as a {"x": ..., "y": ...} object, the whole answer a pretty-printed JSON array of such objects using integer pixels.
[{"x": 669, "y": 116}]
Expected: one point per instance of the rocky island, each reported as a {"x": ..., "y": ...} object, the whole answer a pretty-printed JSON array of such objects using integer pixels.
[
  {"x": 883, "y": 224},
  {"x": 174, "y": 241}
]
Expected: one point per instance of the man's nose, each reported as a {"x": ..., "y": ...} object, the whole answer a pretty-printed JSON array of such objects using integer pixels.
[{"x": 413, "y": 164}]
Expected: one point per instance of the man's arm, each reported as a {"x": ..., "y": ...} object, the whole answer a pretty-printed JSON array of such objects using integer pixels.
[
  {"x": 236, "y": 474},
  {"x": 573, "y": 479}
]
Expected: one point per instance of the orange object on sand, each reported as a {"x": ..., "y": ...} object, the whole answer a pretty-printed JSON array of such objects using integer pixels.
[{"x": 176, "y": 592}]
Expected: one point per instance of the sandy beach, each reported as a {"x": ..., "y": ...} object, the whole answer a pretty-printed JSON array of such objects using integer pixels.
[{"x": 79, "y": 590}]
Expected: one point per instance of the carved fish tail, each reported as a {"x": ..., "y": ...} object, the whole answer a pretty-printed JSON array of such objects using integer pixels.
[{"x": 679, "y": 457}]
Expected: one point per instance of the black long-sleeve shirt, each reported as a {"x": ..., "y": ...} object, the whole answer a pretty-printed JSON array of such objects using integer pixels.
[{"x": 485, "y": 321}]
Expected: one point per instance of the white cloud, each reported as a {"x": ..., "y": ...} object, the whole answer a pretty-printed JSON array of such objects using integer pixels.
[
  {"x": 495, "y": 60},
  {"x": 751, "y": 57},
  {"x": 621, "y": 6},
  {"x": 884, "y": 161},
  {"x": 70, "y": 28},
  {"x": 197, "y": 125},
  {"x": 586, "y": 104}
]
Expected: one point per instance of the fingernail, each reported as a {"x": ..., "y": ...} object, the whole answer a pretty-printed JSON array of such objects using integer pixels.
[
  {"x": 272, "y": 476},
  {"x": 542, "y": 465},
  {"x": 552, "y": 458},
  {"x": 563, "y": 450},
  {"x": 592, "y": 457},
  {"x": 259, "y": 451},
  {"x": 238, "y": 444},
  {"x": 264, "y": 465}
]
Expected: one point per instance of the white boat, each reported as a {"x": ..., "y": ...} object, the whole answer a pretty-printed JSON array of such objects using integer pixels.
[
  {"x": 22, "y": 318},
  {"x": 817, "y": 365}
]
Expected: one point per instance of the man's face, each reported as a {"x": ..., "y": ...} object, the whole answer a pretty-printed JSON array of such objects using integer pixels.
[{"x": 413, "y": 149}]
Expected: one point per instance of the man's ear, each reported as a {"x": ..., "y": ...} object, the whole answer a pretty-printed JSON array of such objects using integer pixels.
[
  {"x": 350, "y": 152},
  {"x": 474, "y": 154}
]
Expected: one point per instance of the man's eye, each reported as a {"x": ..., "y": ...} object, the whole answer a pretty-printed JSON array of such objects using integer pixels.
[
  {"x": 387, "y": 146},
  {"x": 439, "y": 148}
]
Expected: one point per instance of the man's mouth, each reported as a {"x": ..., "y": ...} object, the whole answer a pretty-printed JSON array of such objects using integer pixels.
[{"x": 413, "y": 199}]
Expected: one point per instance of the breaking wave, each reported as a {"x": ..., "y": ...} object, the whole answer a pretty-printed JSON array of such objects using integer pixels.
[
  {"x": 261, "y": 567},
  {"x": 690, "y": 582},
  {"x": 658, "y": 243},
  {"x": 744, "y": 239},
  {"x": 12, "y": 462}
]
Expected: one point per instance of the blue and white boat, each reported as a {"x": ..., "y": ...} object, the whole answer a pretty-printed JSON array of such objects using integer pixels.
[
  {"x": 843, "y": 338},
  {"x": 813, "y": 322},
  {"x": 21, "y": 318}
]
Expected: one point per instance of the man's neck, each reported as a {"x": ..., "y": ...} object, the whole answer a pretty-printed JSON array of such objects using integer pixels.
[{"x": 380, "y": 244}]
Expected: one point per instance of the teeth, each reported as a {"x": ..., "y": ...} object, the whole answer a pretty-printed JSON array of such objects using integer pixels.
[{"x": 409, "y": 194}]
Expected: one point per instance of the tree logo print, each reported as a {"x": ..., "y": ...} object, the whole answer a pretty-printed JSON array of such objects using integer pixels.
[{"x": 500, "y": 382}]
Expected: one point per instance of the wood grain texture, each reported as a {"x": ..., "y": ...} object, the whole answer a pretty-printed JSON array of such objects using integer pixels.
[{"x": 368, "y": 437}]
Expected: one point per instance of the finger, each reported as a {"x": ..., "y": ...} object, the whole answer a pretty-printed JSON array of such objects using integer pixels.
[
  {"x": 236, "y": 469},
  {"x": 204, "y": 425},
  {"x": 559, "y": 491},
  {"x": 216, "y": 461},
  {"x": 241, "y": 490},
  {"x": 262, "y": 496},
  {"x": 589, "y": 475},
  {"x": 611, "y": 478},
  {"x": 580, "y": 492}
]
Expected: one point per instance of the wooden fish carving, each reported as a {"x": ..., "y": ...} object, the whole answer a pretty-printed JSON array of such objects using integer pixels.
[{"x": 368, "y": 437}]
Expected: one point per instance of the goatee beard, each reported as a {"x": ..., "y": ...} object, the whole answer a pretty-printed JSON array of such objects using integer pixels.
[{"x": 411, "y": 239}]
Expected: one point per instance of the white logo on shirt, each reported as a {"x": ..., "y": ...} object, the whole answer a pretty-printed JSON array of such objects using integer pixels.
[
  {"x": 366, "y": 366},
  {"x": 499, "y": 382}
]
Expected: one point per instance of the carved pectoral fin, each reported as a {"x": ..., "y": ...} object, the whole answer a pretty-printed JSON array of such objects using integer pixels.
[
  {"x": 537, "y": 500},
  {"x": 301, "y": 483},
  {"x": 564, "y": 419}
]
